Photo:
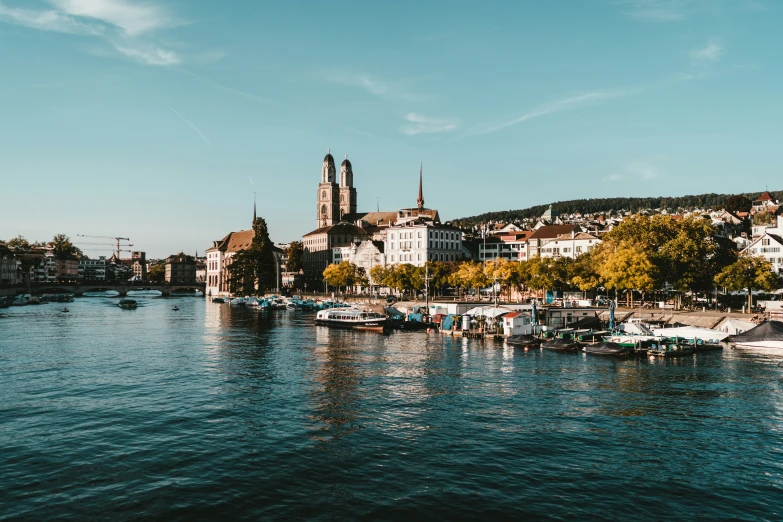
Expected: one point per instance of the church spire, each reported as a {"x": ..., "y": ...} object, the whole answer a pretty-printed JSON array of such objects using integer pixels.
[
  {"x": 254, "y": 207},
  {"x": 420, "y": 200}
]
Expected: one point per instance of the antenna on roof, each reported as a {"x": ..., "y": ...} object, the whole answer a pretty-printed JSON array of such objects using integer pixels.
[{"x": 377, "y": 204}]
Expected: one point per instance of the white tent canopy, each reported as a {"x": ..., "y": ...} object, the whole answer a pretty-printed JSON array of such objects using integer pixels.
[
  {"x": 487, "y": 311},
  {"x": 692, "y": 332}
]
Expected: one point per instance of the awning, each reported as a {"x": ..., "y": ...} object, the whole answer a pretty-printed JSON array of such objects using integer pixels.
[{"x": 487, "y": 311}]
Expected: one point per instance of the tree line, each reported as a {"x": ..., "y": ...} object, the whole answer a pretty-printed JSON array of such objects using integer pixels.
[
  {"x": 731, "y": 202},
  {"x": 643, "y": 254}
]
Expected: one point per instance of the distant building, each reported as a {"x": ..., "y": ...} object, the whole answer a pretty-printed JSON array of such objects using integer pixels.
[
  {"x": 180, "y": 269},
  {"x": 8, "y": 266},
  {"x": 117, "y": 269},
  {"x": 417, "y": 242},
  {"x": 221, "y": 254},
  {"x": 769, "y": 245},
  {"x": 139, "y": 265},
  {"x": 570, "y": 245},
  {"x": 92, "y": 269}
]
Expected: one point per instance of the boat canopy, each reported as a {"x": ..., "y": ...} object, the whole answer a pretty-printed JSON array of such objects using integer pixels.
[
  {"x": 635, "y": 329},
  {"x": 487, "y": 311},
  {"x": 767, "y": 331},
  {"x": 692, "y": 332}
]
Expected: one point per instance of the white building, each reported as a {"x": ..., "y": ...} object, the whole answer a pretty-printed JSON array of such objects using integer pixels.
[
  {"x": 570, "y": 245},
  {"x": 92, "y": 269},
  {"x": 417, "y": 242},
  {"x": 769, "y": 245}
]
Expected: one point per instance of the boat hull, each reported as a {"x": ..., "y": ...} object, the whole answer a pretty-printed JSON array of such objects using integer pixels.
[
  {"x": 561, "y": 345},
  {"x": 607, "y": 349},
  {"x": 373, "y": 325}
]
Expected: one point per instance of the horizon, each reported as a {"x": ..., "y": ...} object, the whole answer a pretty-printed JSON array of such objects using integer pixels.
[{"x": 158, "y": 122}]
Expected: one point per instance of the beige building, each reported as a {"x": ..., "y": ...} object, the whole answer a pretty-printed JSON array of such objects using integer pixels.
[{"x": 180, "y": 269}]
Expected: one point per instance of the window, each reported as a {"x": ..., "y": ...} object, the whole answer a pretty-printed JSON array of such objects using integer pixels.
[
  {"x": 419, "y": 233},
  {"x": 419, "y": 257},
  {"x": 764, "y": 242},
  {"x": 392, "y": 258}
]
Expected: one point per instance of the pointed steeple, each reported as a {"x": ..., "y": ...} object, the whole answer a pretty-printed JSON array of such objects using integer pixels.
[
  {"x": 254, "y": 207},
  {"x": 420, "y": 200}
]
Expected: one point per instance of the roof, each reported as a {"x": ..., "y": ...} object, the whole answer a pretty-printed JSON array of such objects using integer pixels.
[
  {"x": 766, "y": 196},
  {"x": 340, "y": 228},
  {"x": 180, "y": 258},
  {"x": 345, "y": 162},
  {"x": 329, "y": 158},
  {"x": 579, "y": 235},
  {"x": 236, "y": 241},
  {"x": 552, "y": 231},
  {"x": 372, "y": 218}
]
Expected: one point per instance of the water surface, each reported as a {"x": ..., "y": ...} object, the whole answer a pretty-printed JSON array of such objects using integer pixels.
[{"x": 211, "y": 412}]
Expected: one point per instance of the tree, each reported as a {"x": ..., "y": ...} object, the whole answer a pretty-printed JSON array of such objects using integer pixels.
[
  {"x": 20, "y": 243},
  {"x": 738, "y": 203},
  {"x": 334, "y": 275},
  {"x": 585, "y": 275},
  {"x": 294, "y": 263},
  {"x": 750, "y": 273},
  {"x": 62, "y": 246},
  {"x": 469, "y": 275},
  {"x": 157, "y": 272},
  {"x": 628, "y": 268},
  {"x": 380, "y": 275},
  {"x": 254, "y": 268}
]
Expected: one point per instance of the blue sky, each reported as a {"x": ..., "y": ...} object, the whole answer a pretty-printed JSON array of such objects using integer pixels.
[{"x": 158, "y": 120}]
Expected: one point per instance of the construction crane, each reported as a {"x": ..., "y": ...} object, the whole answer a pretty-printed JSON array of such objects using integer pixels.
[{"x": 117, "y": 239}]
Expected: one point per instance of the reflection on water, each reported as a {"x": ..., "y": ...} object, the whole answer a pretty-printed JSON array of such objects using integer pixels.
[{"x": 214, "y": 411}]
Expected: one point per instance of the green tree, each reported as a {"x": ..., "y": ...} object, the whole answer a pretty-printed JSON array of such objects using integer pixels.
[
  {"x": 628, "y": 268},
  {"x": 157, "y": 272},
  {"x": 20, "y": 243},
  {"x": 295, "y": 251},
  {"x": 738, "y": 203},
  {"x": 62, "y": 246},
  {"x": 585, "y": 275},
  {"x": 254, "y": 268},
  {"x": 748, "y": 272}
]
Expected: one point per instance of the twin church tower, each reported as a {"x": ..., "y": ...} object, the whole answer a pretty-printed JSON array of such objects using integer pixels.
[{"x": 335, "y": 200}]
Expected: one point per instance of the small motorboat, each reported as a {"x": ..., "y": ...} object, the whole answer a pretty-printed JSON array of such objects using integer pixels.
[
  {"x": 65, "y": 310},
  {"x": 218, "y": 300},
  {"x": 561, "y": 345},
  {"x": 524, "y": 341},
  {"x": 607, "y": 348},
  {"x": 669, "y": 348},
  {"x": 127, "y": 304},
  {"x": 175, "y": 308}
]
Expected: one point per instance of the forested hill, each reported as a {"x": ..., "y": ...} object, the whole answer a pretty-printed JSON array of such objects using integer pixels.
[{"x": 590, "y": 206}]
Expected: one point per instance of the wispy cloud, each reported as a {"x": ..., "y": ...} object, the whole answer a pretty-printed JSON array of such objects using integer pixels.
[
  {"x": 149, "y": 55},
  {"x": 380, "y": 88},
  {"x": 634, "y": 171},
  {"x": 420, "y": 124},
  {"x": 564, "y": 104},
  {"x": 133, "y": 18},
  {"x": 712, "y": 52},
  {"x": 657, "y": 10},
  {"x": 642, "y": 171},
  {"x": 189, "y": 123},
  {"x": 119, "y": 24}
]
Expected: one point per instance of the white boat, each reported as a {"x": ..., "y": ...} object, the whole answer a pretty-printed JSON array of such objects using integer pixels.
[
  {"x": 766, "y": 338},
  {"x": 353, "y": 318},
  {"x": 238, "y": 301},
  {"x": 19, "y": 300},
  {"x": 252, "y": 302}
]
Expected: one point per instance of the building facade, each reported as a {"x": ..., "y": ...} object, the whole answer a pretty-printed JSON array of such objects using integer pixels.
[
  {"x": 8, "y": 266},
  {"x": 180, "y": 269},
  {"x": 92, "y": 269},
  {"x": 416, "y": 242}
]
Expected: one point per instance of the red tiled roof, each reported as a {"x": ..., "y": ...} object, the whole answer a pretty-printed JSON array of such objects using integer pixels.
[{"x": 552, "y": 231}]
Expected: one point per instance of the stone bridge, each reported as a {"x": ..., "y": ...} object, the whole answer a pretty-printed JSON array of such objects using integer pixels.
[{"x": 81, "y": 288}]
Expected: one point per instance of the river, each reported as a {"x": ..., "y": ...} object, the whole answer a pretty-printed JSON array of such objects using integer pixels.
[{"x": 212, "y": 412}]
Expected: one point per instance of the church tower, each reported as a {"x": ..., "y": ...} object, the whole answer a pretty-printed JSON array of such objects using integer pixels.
[
  {"x": 328, "y": 208},
  {"x": 347, "y": 190}
]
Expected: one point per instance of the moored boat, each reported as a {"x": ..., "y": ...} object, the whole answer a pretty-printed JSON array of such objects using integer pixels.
[
  {"x": 607, "y": 348},
  {"x": 127, "y": 304},
  {"x": 524, "y": 341},
  {"x": 218, "y": 300},
  {"x": 352, "y": 318},
  {"x": 669, "y": 348},
  {"x": 766, "y": 338},
  {"x": 561, "y": 345}
]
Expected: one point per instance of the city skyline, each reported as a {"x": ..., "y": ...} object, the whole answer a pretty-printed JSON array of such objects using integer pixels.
[{"x": 159, "y": 121}]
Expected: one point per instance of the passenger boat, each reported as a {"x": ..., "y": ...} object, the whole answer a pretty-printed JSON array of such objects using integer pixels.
[
  {"x": 561, "y": 345},
  {"x": 352, "y": 318},
  {"x": 127, "y": 304},
  {"x": 607, "y": 348}
]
